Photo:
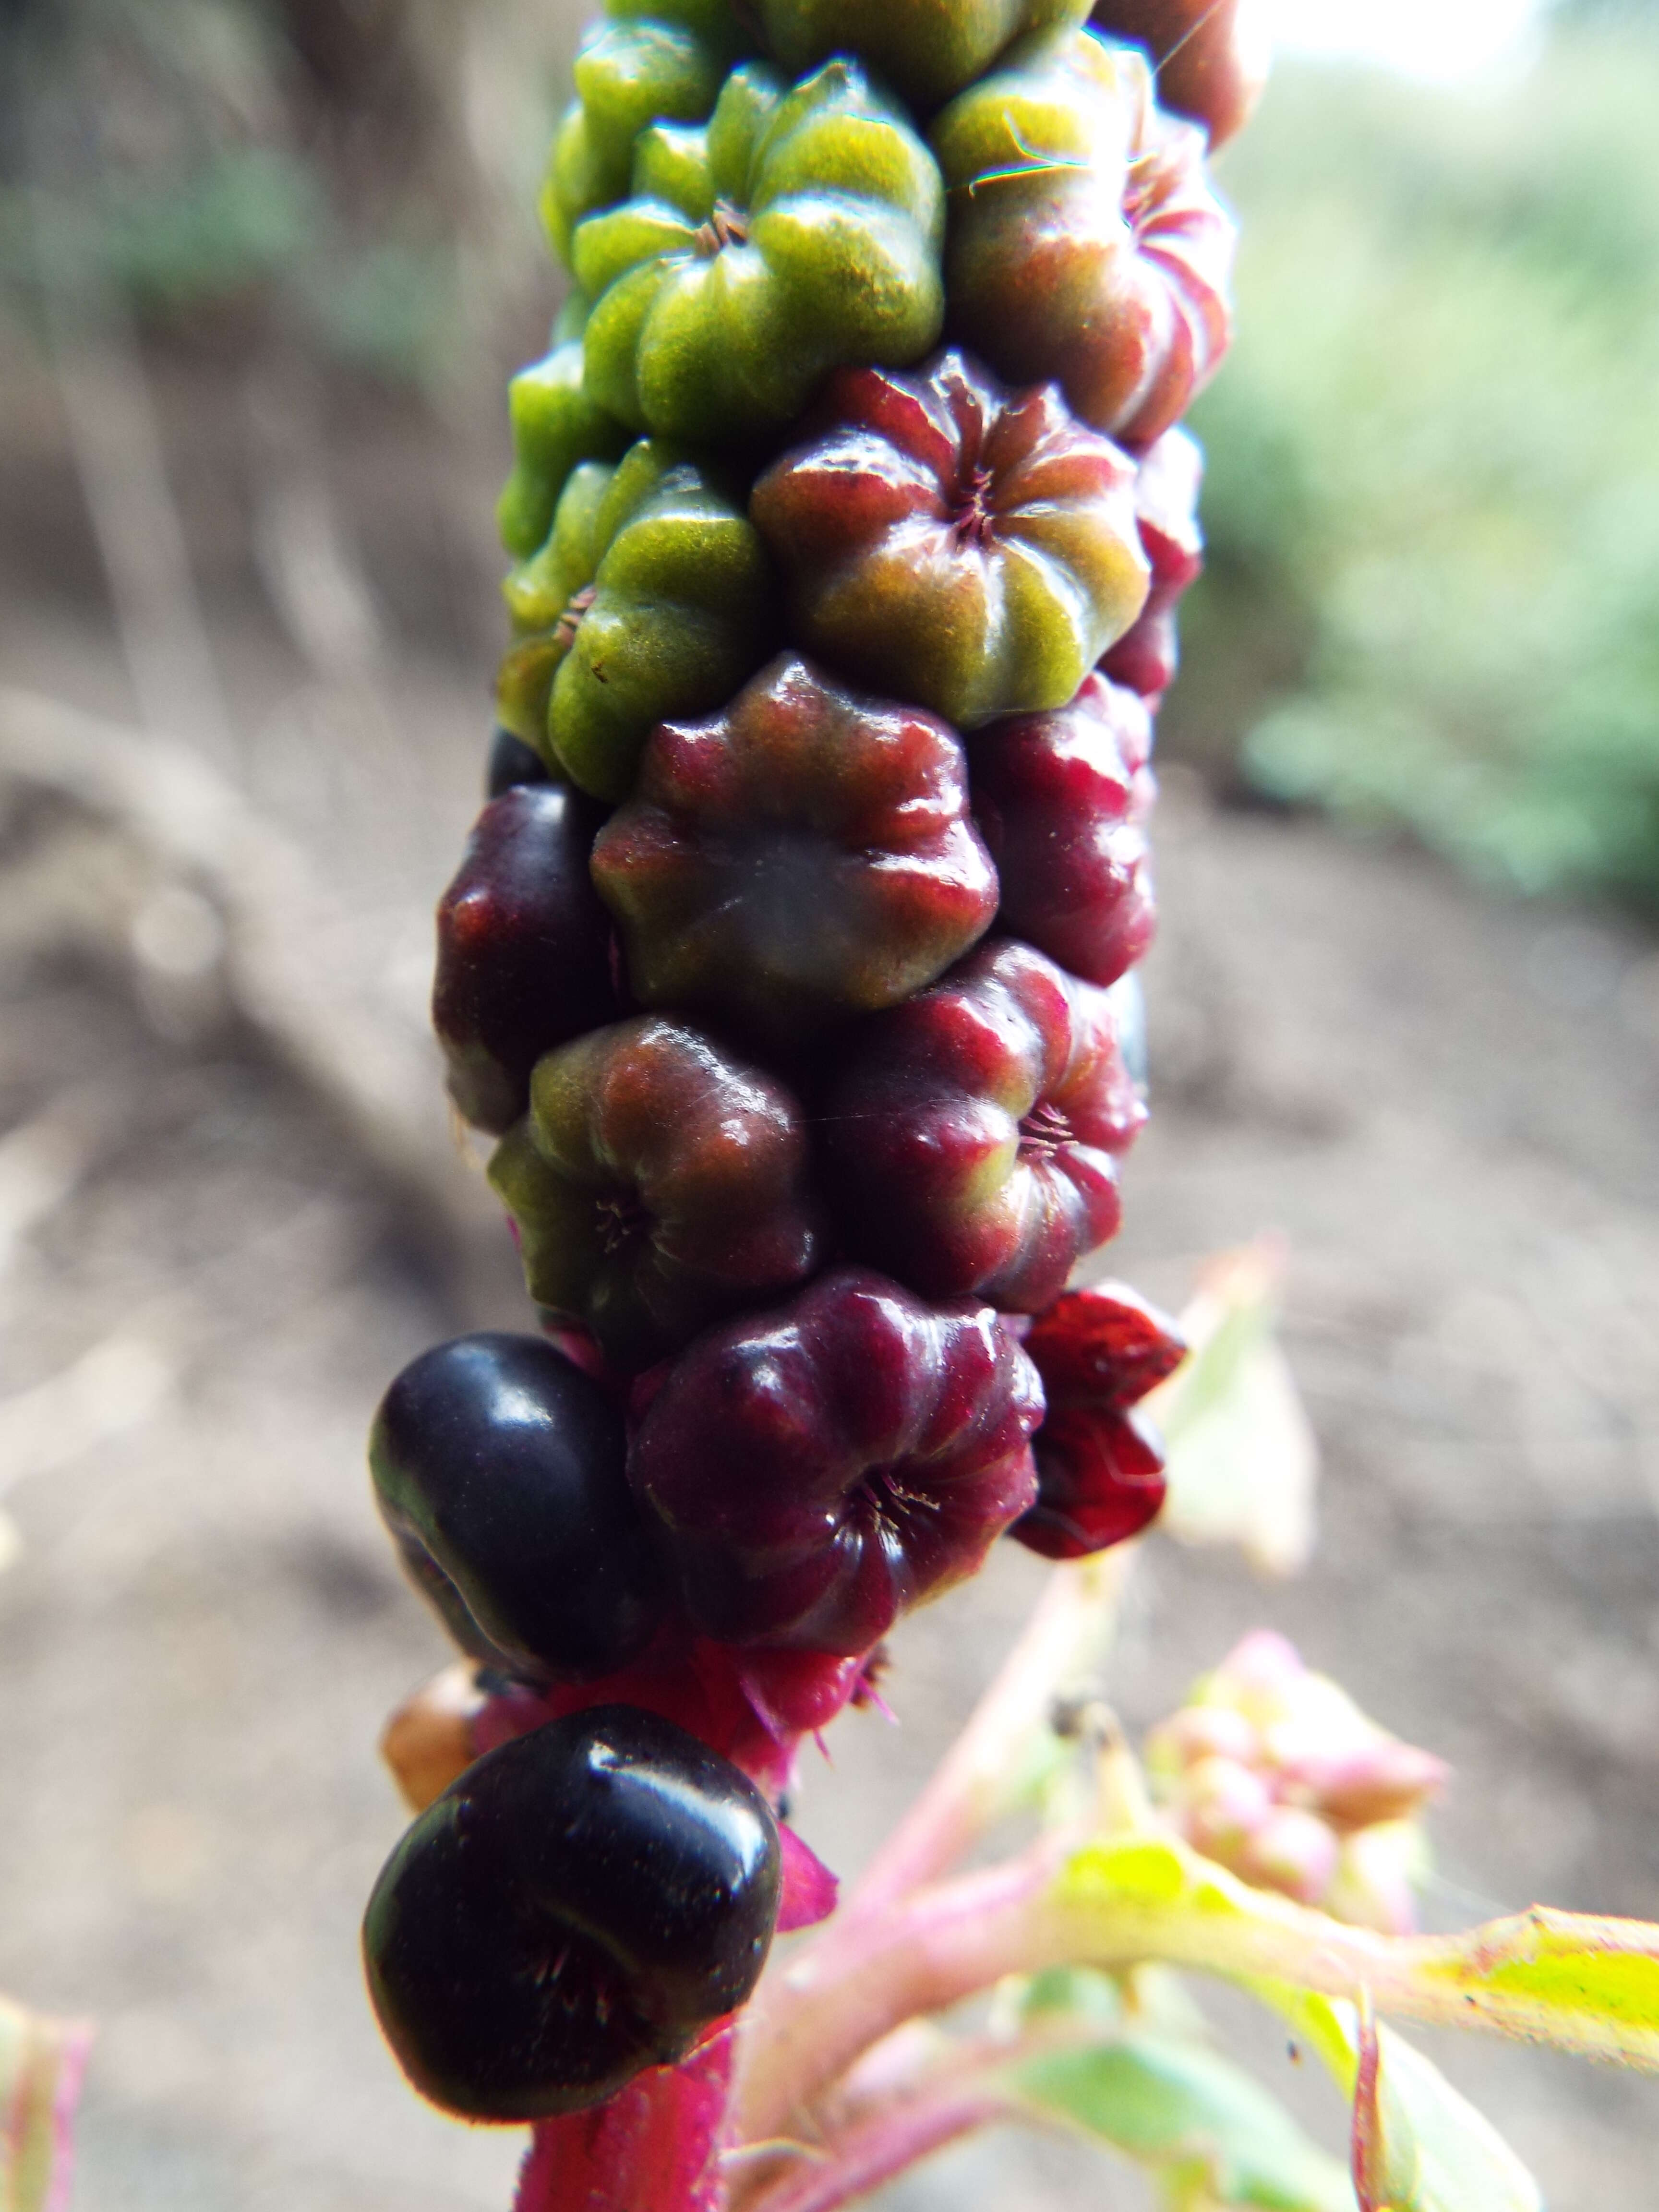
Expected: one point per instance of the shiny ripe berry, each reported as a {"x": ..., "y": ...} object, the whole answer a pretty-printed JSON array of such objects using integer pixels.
[
  {"x": 583, "y": 1903},
  {"x": 512, "y": 762},
  {"x": 498, "y": 1466},
  {"x": 657, "y": 1183},
  {"x": 1211, "y": 55},
  {"x": 949, "y": 541},
  {"x": 1167, "y": 486},
  {"x": 820, "y": 1467},
  {"x": 1100, "y": 1470},
  {"x": 524, "y": 949},
  {"x": 1059, "y": 799},
  {"x": 972, "y": 1130},
  {"x": 1100, "y": 1480},
  {"x": 1103, "y": 1347},
  {"x": 806, "y": 855}
]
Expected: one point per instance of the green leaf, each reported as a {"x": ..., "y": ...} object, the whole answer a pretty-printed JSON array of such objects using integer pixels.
[
  {"x": 1212, "y": 2131},
  {"x": 40, "y": 2066},
  {"x": 1420, "y": 2145},
  {"x": 1582, "y": 1983}
]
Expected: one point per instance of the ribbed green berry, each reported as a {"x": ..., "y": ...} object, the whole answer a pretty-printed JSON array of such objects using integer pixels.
[
  {"x": 554, "y": 426},
  {"x": 799, "y": 230},
  {"x": 664, "y": 61},
  {"x": 925, "y": 49},
  {"x": 652, "y": 597}
]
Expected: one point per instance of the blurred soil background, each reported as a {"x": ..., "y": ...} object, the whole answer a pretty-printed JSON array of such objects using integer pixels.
[{"x": 264, "y": 268}]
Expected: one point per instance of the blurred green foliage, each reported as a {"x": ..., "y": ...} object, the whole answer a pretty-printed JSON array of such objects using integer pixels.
[
  {"x": 1433, "y": 499},
  {"x": 287, "y": 162}
]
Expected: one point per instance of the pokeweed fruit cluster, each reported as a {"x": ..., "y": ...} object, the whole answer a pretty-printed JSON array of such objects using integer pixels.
[{"x": 791, "y": 963}]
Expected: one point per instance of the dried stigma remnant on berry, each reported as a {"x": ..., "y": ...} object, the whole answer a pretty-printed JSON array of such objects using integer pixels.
[
  {"x": 1209, "y": 57},
  {"x": 663, "y": 62}
]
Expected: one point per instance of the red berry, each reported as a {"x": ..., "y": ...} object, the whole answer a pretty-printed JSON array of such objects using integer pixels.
[
  {"x": 971, "y": 1134},
  {"x": 951, "y": 541},
  {"x": 1106, "y": 1346},
  {"x": 657, "y": 1183},
  {"x": 1059, "y": 799},
  {"x": 1211, "y": 55},
  {"x": 1166, "y": 508},
  {"x": 523, "y": 948},
  {"x": 1100, "y": 1479},
  {"x": 1100, "y": 1472},
  {"x": 806, "y": 855},
  {"x": 1086, "y": 243},
  {"x": 820, "y": 1467}
]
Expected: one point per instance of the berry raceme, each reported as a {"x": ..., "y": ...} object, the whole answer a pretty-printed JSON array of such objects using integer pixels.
[{"x": 791, "y": 962}]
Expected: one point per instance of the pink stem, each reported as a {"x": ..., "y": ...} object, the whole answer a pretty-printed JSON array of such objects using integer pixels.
[
  {"x": 806, "y": 2028},
  {"x": 865, "y": 2155},
  {"x": 1061, "y": 1645}
]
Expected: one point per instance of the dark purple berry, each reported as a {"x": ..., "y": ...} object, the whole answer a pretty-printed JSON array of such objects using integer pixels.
[
  {"x": 524, "y": 949},
  {"x": 820, "y": 1467},
  {"x": 582, "y": 1904},
  {"x": 498, "y": 1466},
  {"x": 513, "y": 763}
]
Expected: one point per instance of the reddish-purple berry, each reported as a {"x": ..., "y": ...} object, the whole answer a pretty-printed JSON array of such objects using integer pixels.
[
  {"x": 1145, "y": 657},
  {"x": 806, "y": 855},
  {"x": 523, "y": 948},
  {"x": 1060, "y": 799},
  {"x": 820, "y": 1467},
  {"x": 657, "y": 1183},
  {"x": 972, "y": 1131}
]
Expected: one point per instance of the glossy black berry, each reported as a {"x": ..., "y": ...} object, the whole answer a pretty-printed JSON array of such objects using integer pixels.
[
  {"x": 513, "y": 763},
  {"x": 498, "y": 1466},
  {"x": 524, "y": 949},
  {"x": 582, "y": 1904}
]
